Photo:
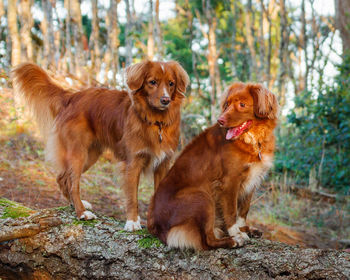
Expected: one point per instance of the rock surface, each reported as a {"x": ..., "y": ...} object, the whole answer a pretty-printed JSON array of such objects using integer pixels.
[{"x": 52, "y": 244}]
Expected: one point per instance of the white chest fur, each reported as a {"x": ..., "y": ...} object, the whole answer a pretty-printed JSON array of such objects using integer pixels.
[
  {"x": 155, "y": 159},
  {"x": 257, "y": 172}
]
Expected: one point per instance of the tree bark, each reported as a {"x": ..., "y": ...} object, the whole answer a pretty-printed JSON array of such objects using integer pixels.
[
  {"x": 94, "y": 42},
  {"x": 342, "y": 10},
  {"x": 52, "y": 244},
  {"x": 69, "y": 64},
  {"x": 283, "y": 53},
  {"x": 250, "y": 40},
  {"x": 150, "y": 40},
  {"x": 48, "y": 34},
  {"x": 13, "y": 28},
  {"x": 158, "y": 33},
  {"x": 27, "y": 24},
  {"x": 79, "y": 39},
  {"x": 128, "y": 32}
]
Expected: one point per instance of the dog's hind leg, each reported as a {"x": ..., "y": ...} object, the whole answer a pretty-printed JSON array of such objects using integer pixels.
[{"x": 77, "y": 158}]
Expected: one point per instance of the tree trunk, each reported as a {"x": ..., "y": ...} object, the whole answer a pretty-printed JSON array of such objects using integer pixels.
[
  {"x": 94, "y": 42},
  {"x": 283, "y": 53},
  {"x": 158, "y": 34},
  {"x": 47, "y": 29},
  {"x": 128, "y": 31},
  {"x": 27, "y": 24},
  {"x": 53, "y": 244},
  {"x": 2, "y": 9},
  {"x": 78, "y": 36},
  {"x": 111, "y": 55},
  {"x": 342, "y": 10},
  {"x": 250, "y": 40},
  {"x": 150, "y": 40},
  {"x": 13, "y": 28},
  {"x": 304, "y": 40},
  {"x": 69, "y": 64}
]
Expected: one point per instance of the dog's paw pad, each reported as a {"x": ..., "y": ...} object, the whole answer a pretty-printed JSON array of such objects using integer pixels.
[
  {"x": 87, "y": 205},
  {"x": 132, "y": 225},
  {"x": 87, "y": 215}
]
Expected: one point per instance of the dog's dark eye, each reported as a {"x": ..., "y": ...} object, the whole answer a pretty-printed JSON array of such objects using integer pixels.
[
  {"x": 171, "y": 83},
  {"x": 242, "y": 105},
  {"x": 153, "y": 82}
]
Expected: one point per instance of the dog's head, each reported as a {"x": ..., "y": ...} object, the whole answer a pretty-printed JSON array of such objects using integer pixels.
[
  {"x": 160, "y": 82},
  {"x": 244, "y": 103}
]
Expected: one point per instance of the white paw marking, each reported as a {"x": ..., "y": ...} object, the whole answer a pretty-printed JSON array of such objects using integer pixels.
[
  {"x": 132, "y": 225},
  {"x": 237, "y": 235},
  {"x": 87, "y": 204},
  {"x": 87, "y": 215}
]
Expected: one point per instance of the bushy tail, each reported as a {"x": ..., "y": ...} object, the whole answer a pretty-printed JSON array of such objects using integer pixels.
[{"x": 44, "y": 98}]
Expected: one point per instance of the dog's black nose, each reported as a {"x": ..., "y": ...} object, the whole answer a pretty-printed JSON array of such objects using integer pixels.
[{"x": 165, "y": 100}]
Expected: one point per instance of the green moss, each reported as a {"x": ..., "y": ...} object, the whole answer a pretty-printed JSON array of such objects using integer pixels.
[
  {"x": 89, "y": 223},
  {"x": 149, "y": 242},
  {"x": 63, "y": 208},
  {"x": 13, "y": 209}
]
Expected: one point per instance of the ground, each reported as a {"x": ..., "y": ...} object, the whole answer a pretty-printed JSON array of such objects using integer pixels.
[{"x": 25, "y": 177}]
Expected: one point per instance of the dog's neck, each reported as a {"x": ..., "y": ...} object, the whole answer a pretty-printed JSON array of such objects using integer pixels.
[{"x": 256, "y": 136}]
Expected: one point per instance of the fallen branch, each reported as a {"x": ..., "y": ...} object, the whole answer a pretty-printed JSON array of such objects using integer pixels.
[{"x": 61, "y": 247}]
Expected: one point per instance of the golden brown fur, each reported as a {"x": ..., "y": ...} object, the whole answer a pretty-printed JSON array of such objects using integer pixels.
[
  {"x": 80, "y": 125},
  {"x": 206, "y": 194}
]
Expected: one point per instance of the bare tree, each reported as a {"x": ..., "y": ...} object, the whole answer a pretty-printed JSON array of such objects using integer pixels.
[
  {"x": 94, "y": 41},
  {"x": 342, "y": 9},
  {"x": 150, "y": 40},
  {"x": 79, "y": 38},
  {"x": 112, "y": 56},
  {"x": 69, "y": 64},
  {"x": 158, "y": 33},
  {"x": 13, "y": 29},
  {"x": 47, "y": 29},
  {"x": 27, "y": 24},
  {"x": 128, "y": 31},
  {"x": 2, "y": 9},
  {"x": 212, "y": 56},
  {"x": 283, "y": 53},
  {"x": 250, "y": 39}
]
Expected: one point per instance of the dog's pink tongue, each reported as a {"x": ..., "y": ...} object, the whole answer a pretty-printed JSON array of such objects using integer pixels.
[{"x": 231, "y": 133}]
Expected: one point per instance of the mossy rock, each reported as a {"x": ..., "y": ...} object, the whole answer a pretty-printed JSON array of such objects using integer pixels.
[{"x": 14, "y": 210}]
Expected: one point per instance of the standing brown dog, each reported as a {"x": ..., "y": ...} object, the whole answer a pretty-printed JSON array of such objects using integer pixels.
[
  {"x": 207, "y": 192},
  {"x": 141, "y": 126}
]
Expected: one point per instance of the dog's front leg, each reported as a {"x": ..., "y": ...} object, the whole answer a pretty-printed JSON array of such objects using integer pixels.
[
  {"x": 132, "y": 173},
  {"x": 233, "y": 223},
  {"x": 160, "y": 172}
]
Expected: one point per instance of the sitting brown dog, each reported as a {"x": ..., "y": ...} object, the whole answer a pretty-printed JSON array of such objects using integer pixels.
[{"x": 207, "y": 192}]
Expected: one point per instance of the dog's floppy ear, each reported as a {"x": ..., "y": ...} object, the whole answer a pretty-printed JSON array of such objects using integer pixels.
[
  {"x": 135, "y": 75},
  {"x": 182, "y": 79},
  {"x": 265, "y": 102}
]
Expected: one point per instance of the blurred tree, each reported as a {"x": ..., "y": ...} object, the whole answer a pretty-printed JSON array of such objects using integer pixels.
[
  {"x": 47, "y": 29},
  {"x": 150, "y": 39},
  {"x": 342, "y": 8},
  {"x": 13, "y": 28},
  {"x": 27, "y": 24}
]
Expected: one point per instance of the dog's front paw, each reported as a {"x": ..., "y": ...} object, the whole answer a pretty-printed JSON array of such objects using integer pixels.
[
  {"x": 87, "y": 205},
  {"x": 241, "y": 238},
  {"x": 133, "y": 225},
  {"x": 87, "y": 215}
]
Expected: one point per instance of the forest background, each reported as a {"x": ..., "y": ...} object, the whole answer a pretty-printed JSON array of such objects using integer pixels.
[{"x": 299, "y": 49}]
